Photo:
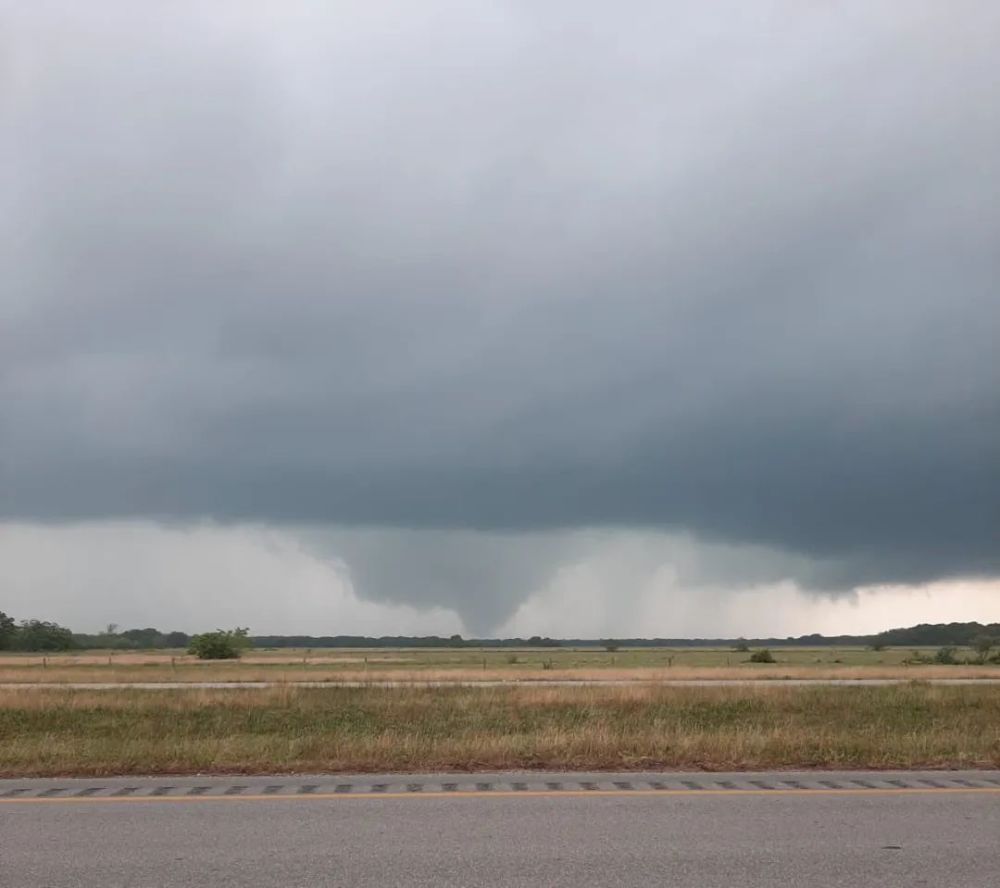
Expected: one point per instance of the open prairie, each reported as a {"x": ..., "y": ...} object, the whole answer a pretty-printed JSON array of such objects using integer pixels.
[{"x": 472, "y": 664}]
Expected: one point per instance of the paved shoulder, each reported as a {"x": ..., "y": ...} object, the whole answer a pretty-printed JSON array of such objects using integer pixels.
[
  {"x": 514, "y": 784},
  {"x": 821, "y": 829}
]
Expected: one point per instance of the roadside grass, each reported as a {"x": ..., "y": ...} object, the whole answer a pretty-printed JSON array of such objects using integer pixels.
[{"x": 55, "y": 732}]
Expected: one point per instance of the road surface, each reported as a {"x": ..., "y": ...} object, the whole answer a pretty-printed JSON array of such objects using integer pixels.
[{"x": 706, "y": 830}]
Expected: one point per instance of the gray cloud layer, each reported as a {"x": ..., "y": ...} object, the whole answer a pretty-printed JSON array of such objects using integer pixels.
[{"x": 510, "y": 266}]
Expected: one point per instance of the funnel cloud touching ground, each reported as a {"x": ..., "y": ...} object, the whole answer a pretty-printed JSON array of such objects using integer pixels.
[{"x": 452, "y": 293}]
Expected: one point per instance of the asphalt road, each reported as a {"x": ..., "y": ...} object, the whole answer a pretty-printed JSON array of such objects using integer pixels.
[{"x": 817, "y": 830}]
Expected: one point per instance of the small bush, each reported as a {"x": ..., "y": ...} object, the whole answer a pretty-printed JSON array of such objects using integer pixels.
[
  {"x": 764, "y": 655},
  {"x": 512, "y": 659},
  {"x": 917, "y": 659},
  {"x": 983, "y": 645},
  {"x": 945, "y": 656},
  {"x": 741, "y": 646},
  {"x": 219, "y": 645}
]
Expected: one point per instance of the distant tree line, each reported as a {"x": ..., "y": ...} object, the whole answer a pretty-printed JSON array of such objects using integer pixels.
[
  {"x": 132, "y": 639},
  {"x": 958, "y": 634},
  {"x": 396, "y": 641},
  {"x": 40, "y": 635},
  {"x": 33, "y": 635},
  {"x": 934, "y": 634}
]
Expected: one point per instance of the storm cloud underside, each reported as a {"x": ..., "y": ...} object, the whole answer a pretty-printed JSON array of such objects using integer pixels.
[{"x": 456, "y": 289}]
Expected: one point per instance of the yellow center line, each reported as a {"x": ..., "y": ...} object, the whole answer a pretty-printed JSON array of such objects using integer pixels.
[{"x": 506, "y": 794}]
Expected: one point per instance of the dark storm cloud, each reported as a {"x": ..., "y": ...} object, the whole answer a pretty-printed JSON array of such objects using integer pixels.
[{"x": 497, "y": 266}]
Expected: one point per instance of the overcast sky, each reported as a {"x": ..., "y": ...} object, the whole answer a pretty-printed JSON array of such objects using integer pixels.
[{"x": 652, "y": 318}]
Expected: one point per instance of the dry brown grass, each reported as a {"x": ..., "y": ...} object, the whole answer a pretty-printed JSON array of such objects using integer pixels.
[
  {"x": 248, "y": 670},
  {"x": 394, "y": 729}
]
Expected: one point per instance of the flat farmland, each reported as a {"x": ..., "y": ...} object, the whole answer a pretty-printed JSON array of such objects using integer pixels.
[{"x": 473, "y": 664}]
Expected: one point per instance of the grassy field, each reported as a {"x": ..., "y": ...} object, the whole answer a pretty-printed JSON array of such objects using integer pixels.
[
  {"x": 471, "y": 664},
  {"x": 54, "y": 732}
]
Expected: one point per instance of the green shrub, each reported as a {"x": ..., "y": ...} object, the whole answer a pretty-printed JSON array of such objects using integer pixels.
[
  {"x": 219, "y": 645},
  {"x": 945, "y": 656},
  {"x": 983, "y": 645},
  {"x": 764, "y": 655},
  {"x": 917, "y": 659}
]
